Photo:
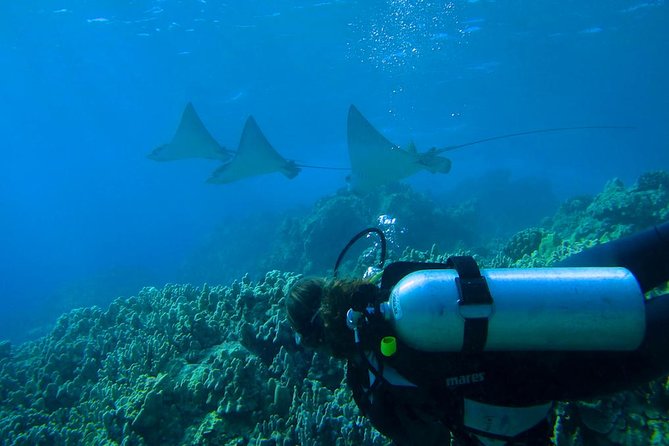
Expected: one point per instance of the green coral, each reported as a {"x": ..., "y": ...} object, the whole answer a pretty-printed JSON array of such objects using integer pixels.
[
  {"x": 181, "y": 365},
  {"x": 616, "y": 212}
]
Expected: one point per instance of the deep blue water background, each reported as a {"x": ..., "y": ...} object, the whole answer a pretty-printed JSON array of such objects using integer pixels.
[{"x": 89, "y": 88}]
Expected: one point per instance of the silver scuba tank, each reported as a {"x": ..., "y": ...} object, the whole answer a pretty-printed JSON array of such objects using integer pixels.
[{"x": 533, "y": 309}]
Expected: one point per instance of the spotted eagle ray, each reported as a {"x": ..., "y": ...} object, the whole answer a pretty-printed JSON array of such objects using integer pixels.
[
  {"x": 375, "y": 161},
  {"x": 255, "y": 156},
  {"x": 191, "y": 140}
]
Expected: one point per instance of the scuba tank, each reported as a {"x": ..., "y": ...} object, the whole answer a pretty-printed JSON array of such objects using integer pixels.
[
  {"x": 456, "y": 307},
  {"x": 557, "y": 309}
]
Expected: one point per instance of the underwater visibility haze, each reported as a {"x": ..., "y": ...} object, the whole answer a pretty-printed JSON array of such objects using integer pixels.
[
  {"x": 89, "y": 89},
  {"x": 89, "y": 212}
]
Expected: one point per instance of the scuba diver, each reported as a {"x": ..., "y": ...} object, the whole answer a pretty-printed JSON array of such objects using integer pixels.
[{"x": 453, "y": 354}]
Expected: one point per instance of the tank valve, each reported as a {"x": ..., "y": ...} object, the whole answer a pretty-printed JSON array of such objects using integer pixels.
[{"x": 353, "y": 321}]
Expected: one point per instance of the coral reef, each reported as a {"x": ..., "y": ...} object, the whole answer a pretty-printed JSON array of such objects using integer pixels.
[
  {"x": 582, "y": 222},
  {"x": 309, "y": 241},
  {"x": 186, "y": 365},
  {"x": 181, "y": 365},
  {"x": 616, "y": 212}
]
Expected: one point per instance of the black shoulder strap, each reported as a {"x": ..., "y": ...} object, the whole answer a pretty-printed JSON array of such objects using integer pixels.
[{"x": 474, "y": 295}]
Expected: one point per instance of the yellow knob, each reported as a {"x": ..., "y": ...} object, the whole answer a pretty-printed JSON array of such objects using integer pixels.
[{"x": 388, "y": 346}]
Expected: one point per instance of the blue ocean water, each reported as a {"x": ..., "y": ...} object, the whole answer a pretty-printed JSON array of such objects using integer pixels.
[{"x": 89, "y": 88}]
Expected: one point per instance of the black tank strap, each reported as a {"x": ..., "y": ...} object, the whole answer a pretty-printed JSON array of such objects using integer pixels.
[{"x": 475, "y": 303}]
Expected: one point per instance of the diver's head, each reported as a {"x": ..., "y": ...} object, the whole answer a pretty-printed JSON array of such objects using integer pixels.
[
  {"x": 303, "y": 306},
  {"x": 317, "y": 311}
]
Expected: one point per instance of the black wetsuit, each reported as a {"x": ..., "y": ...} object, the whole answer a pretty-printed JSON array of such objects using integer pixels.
[{"x": 419, "y": 397}]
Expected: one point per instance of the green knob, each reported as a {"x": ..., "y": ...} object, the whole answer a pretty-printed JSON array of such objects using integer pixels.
[{"x": 388, "y": 346}]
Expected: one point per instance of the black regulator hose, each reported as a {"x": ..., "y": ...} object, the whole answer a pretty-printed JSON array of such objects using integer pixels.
[
  {"x": 357, "y": 237},
  {"x": 645, "y": 254}
]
